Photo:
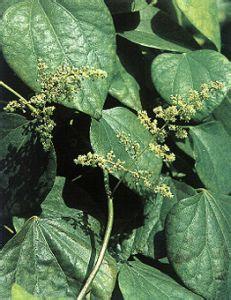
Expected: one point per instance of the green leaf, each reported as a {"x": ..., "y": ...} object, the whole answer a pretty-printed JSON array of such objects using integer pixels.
[
  {"x": 186, "y": 146},
  {"x": 125, "y": 88},
  {"x": 104, "y": 138},
  {"x": 139, "y": 281},
  {"x": 198, "y": 237},
  {"x": 178, "y": 73},
  {"x": 18, "y": 293},
  {"x": 18, "y": 223},
  {"x": 62, "y": 32},
  {"x": 55, "y": 207},
  {"x": 27, "y": 173},
  {"x": 5, "y": 4},
  {"x": 52, "y": 255},
  {"x": 224, "y": 9},
  {"x": 149, "y": 238},
  {"x": 157, "y": 30},
  {"x": 223, "y": 113},
  {"x": 204, "y": 16},
  {"x": 211, "y": 147},
  {"x": 125, "y": 6}
]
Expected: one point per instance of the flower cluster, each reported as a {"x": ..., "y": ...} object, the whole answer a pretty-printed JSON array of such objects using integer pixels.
[
  {"x": 180, "y": 132},
  {"x": 131, "y": 147},
  {"x": 40, "y": 112},
  {"x": 152, "y": 125},
  {"x": 164, "y": 190},
  {"x": 45, "y": 126},
  {"x": 165, "y": 122},
  {"x": 15, "y": 105},
  {"x": 186, "y": 109},
  {"x": 181, "y": 110},
  {"x": 62, "y": 84},
  {"x": 110, "y": 164},
  {"x": 66, "y": 81},
  {"x": 162, "y": 151}
]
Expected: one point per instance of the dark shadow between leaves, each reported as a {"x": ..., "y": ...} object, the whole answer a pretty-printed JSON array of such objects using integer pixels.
[
  {"x": 121, "y": 6},
  {"x": 126, "y": 22},
  {"x": 168, "y": 30},
  {"x": 25, "y": 176}
]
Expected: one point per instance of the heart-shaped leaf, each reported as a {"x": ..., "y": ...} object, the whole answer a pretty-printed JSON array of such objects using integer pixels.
[
  {"x": 198, "y": 236},
  {"x": 139, "y": 281},
  {"x": 204, "y": 16},
  {"x": 212, "y": 163},
  {"x": 177, "y": 74},
  {"x": 32, "y": 29},
  {"x": 52, "y": 255},
  {"x": 109, "y": 134}
]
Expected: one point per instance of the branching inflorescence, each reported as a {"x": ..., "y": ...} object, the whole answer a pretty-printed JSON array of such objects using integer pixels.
[
  {"x": 165, "y": 122},
  {"x": 181, "y": 110},
  {"x": 110, "y": 164},
  {"x": 64, "y": 83}
]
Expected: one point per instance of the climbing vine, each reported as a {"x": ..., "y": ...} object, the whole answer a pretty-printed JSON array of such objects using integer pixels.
[{"x": 114, "y": 154}]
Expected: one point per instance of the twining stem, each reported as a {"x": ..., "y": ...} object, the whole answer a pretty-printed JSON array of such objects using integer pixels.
[
  {"x": 21, "y": 98},
  {"x": 106, "y": 239}
]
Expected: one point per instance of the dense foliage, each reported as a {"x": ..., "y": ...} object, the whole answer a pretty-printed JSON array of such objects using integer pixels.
[{"x": 115, "y": 167}]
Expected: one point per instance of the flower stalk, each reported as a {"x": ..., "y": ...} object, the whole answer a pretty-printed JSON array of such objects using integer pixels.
[
  {"x": 20, "y": 97},
  {"x": 85, "y": 289}
]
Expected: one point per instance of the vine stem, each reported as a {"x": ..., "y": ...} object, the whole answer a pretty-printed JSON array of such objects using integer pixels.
[
  {"x": 21, "y": 98},
  {"x": 107, "y": 235}
]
